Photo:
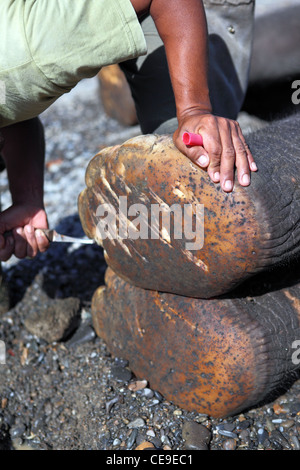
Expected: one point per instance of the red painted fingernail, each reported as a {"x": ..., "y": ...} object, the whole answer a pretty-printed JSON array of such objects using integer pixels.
[{"x": 192, "y": 139}]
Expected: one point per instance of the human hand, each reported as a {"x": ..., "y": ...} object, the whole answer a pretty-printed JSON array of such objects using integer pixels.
[
  {"x": 18, "y": 223},
  {"x": 224, "y": 148}
]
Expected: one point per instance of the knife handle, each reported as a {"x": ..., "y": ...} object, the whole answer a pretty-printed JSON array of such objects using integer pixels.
[{"x": 192, "y": 139}]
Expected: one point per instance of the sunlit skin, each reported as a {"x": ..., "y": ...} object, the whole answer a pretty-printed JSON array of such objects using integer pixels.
[{"x": 181, "y": 25}]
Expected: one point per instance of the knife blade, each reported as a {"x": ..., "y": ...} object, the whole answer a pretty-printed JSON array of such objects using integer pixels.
[{"x": 54, "y": 236}]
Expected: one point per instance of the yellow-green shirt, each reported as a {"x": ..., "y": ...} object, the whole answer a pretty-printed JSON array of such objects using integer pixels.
[{"x": 48, "y": 46}]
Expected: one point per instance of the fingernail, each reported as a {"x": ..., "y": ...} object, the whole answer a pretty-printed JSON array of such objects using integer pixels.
[
  {"x": 253, "y": 166},
  {"x": 202, "y": 160},
  {"x": 29, "y": 229},
  {"x": 228, "y": 185},
  {"x": 39, "y": 234},
  {"x": 246, "y": 179},
  {"x": 217, "y": 176}
]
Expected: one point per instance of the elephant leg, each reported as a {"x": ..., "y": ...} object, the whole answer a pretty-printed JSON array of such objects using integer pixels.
[{"x": 218, "y": 356}]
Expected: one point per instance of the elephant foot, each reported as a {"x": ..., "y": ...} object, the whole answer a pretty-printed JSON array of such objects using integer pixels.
[
  {"x": 165, "y": 226},
  {"x": 218, "y": 356}
]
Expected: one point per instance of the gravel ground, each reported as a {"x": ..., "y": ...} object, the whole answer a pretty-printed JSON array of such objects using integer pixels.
[{"x": 65, "y": 391}]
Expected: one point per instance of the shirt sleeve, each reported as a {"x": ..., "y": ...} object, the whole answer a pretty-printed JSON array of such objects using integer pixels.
[
  {"x": 70, "y": 40},
  {"x": 48, "y": 46}
]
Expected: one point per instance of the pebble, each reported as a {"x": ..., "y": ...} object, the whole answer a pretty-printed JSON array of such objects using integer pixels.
[
  {"x": 225, "y": 433},
  {"x": 83, "y": 334},
  {"x": 137, "y": 385},
  {"x": 287, "y": 424},
  {"x": 17, "y": 431},
  {"x": 137, "y": 423},
  {"x": 277, "y": 436},
  {"x": 147, "y": 392},
  {"x": 196, "y": 436},
  {"x": 121, "y": 374},
  {"x": 229, "y": 444},
  {"x": 263, "y": 435},
  {"x": 131, "y": 439},
  {"x": 245, "y": 436},
  {"x": 145, "y": 446},
  {"x": 295, "y": 442},
  {"x": 54, "y": 319}
]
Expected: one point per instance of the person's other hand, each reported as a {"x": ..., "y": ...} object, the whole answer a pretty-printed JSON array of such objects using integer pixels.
[
  {"x": 18, "y": 234},
  {"x": 224, "y": 148}
]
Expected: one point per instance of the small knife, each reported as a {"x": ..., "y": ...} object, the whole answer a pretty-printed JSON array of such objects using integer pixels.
[{"x": 53, "y": 236}]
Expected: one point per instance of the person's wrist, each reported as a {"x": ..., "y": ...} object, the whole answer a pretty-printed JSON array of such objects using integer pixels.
[
  {"x": 192, "y": 111},
  {"x": 31, "y": 195}
]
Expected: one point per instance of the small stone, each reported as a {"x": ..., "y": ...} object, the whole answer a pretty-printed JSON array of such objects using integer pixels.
[
  {"x": 116, "y": 442},
  {"x": 147, "y": 392},
  {"x": 145, "y": 446},
  {"x": 277, "y": 437},
  {"x": 137, "y": 423},
  {"x": 121, "y": 374},
  {"x": 166, "y": 447},
  {"x": 132, "y": 438},
  {"x": 137, "y": 385},
  {"x": 225, "y": 433},
  {"x": 263, "y": 435},
  {"x": 83, "y": 334},
  {"x": 196, "y": 436},
  {"x": 278, "y": 409},
  {"x": 17, "y": 431},
  {"x": 229, "y": 444},
  {"x": 245, "y": 436},
  {"x": 165, "y": 440},
  {"x": 177, "y": 413},
  {"x": 288, "y": 423},
  {"x": 55, "y": 319},
  {"x": 295, "y": 442}
]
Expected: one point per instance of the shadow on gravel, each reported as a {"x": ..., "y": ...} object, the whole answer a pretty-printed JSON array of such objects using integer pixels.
[{"x": 68, "y": 270}]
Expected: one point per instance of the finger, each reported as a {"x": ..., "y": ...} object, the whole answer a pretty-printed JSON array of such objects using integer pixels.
[
  {"x": 198, "y": 156},
  {"x": 8, "y": 248},
  {"x": 32, "y": 246},
  {"x": 213, "y": 146},
  {"x": 20, "y": 250},
  {"x": 42, "y": 241},
  {"x": 228, "y": 158},
  {"x": 250, "y": 158},
  {"x": 242, "y": 162}
]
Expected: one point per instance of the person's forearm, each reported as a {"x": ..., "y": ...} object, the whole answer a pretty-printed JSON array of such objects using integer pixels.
[
  {"x": 182, "y": 27},
  {"x": 23, "y": 152}
]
